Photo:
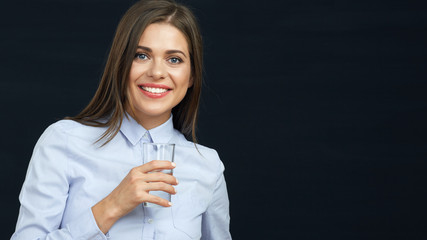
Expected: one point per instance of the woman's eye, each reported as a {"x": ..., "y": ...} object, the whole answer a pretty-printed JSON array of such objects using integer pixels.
[
  {"x": 141, "y": 56},
  {"x": 175, "y": 60}
]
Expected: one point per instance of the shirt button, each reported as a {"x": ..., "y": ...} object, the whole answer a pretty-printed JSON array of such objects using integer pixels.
[{"x": 150, "y": 221}]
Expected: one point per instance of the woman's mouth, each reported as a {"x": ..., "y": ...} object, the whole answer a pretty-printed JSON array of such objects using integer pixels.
[{"x": 154, "y": 90}]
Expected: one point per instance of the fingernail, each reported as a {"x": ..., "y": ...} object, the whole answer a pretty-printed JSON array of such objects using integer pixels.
[
  {"x": 173, "y": 164},
  {"x": 170, "y": 204},
  {"x": 177, "y": 181}
]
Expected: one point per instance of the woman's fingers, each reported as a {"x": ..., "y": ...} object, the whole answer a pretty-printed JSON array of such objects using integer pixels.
[
  {"x": 160, "y": 177},
  {"x": 158, "y": 200},
  {"x": 135, "y": 187},
  {"x": 156, "y": 165},
  {"x": 145, "y": 195},
  {"x": 159, "y": 186}
]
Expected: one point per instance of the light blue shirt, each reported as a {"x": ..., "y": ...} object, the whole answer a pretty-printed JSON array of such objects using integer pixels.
[{"x": 69, "y": 173}]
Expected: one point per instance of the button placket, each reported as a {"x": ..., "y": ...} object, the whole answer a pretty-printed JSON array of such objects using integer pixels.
[{"x": 149, "y": 228}]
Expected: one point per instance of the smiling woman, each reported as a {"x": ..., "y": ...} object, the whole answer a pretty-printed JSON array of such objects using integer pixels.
[{"x": 87, "y": 179}]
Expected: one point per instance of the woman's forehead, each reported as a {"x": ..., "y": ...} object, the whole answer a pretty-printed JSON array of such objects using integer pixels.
[{"x": 163, "y": 36}]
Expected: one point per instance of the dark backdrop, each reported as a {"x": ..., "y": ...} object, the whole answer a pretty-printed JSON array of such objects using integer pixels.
[{"x": 318, "y": 108}]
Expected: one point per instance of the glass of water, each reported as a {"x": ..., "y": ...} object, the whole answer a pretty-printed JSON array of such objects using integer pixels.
[{"x": 158, "y": 151}]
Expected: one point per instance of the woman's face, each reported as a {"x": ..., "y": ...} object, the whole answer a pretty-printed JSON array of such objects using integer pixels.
[{"x": 160, "y": 74}]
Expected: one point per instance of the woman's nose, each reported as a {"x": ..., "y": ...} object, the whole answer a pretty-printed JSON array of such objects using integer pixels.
[{"x": 157, "y": 70}]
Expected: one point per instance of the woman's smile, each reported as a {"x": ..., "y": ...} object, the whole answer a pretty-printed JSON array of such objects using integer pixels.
[{"x": 154, "y": 90}]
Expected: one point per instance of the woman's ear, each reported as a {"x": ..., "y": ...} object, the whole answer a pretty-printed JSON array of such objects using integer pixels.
[{"x": 190, "y": 83}]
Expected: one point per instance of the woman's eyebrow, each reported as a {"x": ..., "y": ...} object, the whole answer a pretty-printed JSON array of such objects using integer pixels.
[
  {"x": 175, "y": 51},
  {"x": 145, "y": 48},
  {"x": 167, "y": 52}
]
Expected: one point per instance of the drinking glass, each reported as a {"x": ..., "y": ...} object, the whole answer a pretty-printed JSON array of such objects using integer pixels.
[{"x": 158, "y": 151}]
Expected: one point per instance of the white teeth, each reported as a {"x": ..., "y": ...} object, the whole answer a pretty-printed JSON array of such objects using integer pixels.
[{"x": 154, "y": 90}]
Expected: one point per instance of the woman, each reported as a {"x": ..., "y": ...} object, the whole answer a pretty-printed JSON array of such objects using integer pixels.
[{"x": 86, "y": 179}]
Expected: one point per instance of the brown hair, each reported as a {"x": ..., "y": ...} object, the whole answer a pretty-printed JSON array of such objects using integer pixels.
[{"x": 108, "y": 106}]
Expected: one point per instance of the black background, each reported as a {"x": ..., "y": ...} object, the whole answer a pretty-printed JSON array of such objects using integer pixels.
[{"x": 318, "y": 108}]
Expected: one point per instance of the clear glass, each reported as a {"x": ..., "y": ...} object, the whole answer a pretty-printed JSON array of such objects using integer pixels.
[{"x": 158, "y": 151}]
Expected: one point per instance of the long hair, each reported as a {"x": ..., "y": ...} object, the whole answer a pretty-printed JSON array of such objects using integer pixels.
[{"x": 108, "y": 107}]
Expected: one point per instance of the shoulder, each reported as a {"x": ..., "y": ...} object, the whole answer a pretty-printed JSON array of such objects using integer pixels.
[
  {"x": 51, "y": 149},
  {"x": 70, "y": 126},
  {"x": 66, "y": 129},
  {"x": 64, "y": 126},
  {"x": 203, "y": 154}
]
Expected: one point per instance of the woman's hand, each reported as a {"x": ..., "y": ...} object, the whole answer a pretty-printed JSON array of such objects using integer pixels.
[{"x": 134, "y": 190}]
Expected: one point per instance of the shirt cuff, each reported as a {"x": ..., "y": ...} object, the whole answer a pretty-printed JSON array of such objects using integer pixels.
[{"x": 85, "y": 227}]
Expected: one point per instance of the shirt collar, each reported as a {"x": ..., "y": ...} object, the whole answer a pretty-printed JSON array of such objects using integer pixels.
[
  {"x": 163, "y": 133},
  {"x": 133, "y": 131}
]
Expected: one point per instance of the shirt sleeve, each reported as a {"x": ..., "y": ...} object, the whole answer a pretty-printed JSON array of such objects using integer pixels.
[
  {"x": 216, "y": 219},
  {"x": 44, "y": 195}
]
